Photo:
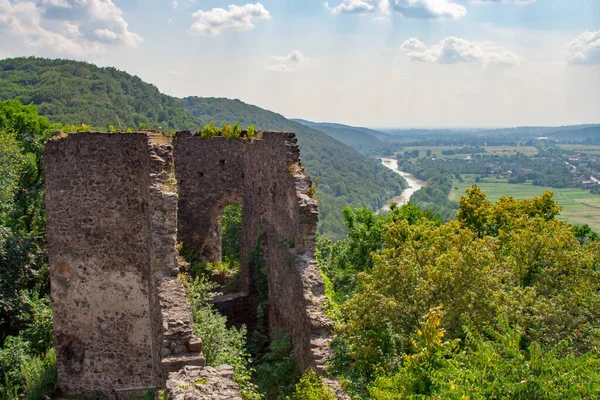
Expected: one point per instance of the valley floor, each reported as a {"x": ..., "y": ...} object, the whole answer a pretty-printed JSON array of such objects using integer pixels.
[{"x": 579, "y": 205}]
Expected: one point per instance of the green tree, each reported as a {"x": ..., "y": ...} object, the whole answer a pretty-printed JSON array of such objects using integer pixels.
[{"x": 510, "y": 259}]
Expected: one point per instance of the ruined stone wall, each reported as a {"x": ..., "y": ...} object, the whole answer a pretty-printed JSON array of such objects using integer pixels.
[
  {"x": 99, "y": 252},
  {"x": 117, "y": 205},
  {"x": 281, "y": 208},
  {"x": 176, "y": 343},
  {"x": 121, "y": 317},
  {"x": 266, "y": 176},
  {"x": 210, "y": 175}
]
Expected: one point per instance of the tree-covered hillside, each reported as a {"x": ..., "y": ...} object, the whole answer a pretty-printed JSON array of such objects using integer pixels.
[
  {"x": 72, "y": 92},
  {"x": 362, "y": 139}
]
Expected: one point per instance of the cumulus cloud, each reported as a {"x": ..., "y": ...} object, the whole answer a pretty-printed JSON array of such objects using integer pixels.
[
  {"x": 279, "y": 68},
  {"x": 413, "y": 44},
  {"x": 106, "y": 34},
  {"x": 352, "y": 7},
  {"x": 419, "y": 9},
  {"x": 428, "y": 9},
  {"x": 585, "y": 49},
  {"x": 238, "y": 18},
  {"x": 452, "y": 50},
  {"x": 284, "y": 63},
  {"x": 70, "y": 27}
]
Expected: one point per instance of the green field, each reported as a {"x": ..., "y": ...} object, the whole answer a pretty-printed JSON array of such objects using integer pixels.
[
  {"x": 579, "y": 206},
  {"x": 490, "y": 150}
]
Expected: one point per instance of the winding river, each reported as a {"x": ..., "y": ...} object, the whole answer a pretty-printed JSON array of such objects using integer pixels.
[{"x": 414, "y": 184}]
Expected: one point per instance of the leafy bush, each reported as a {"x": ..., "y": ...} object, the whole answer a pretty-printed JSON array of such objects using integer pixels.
[
  {"x": 27, "y": 361},
  {"x": 276, "y": 371},
  {"x": 510, "y": 259},
  {"x": 209, "y": 131},
  {"x": 310, "y": 387},
  {"x": 40, "y": 377},
  {"x": 493, "y": 365},
  {"x": 221, "y": 345},
  {"x": 251, "y": 133}
]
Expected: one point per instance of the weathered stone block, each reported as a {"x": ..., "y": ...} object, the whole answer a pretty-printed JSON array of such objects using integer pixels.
[{"x": 195, "y": 345}]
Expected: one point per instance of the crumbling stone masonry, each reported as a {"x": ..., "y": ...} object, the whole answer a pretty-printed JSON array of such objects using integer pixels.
[{"x": 117, "y": 204}]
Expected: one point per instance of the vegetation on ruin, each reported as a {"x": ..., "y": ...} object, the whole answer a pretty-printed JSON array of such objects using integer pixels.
[
  {"x": 220, "y": 344},
  {"x": 264, "y": 362},
  {"x": 227, "y": 131}
]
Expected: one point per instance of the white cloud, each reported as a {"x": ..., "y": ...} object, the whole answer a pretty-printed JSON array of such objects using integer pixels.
[
  {"x": 175, "y": 3},
  {"x": 419, "y": 9},
  {"x": 294, "y": 57},
  {"x": 4, "y": 54},
  {"x": 55, "y": 3},
  {"x": 70, "y": 27},
  {"x": 106, "y": 34},
  {"x": 238, "y": 18},
  {"x": 352, "y": 7},
  {"x": 452, "y": 50},
  {"x": 585, "y": 49},
  {"x": 413, "y": 44},
  {"x": 428, "y": 9},
  {"x": 279, "y": 68},
  {"x": 71, "y": 30}
]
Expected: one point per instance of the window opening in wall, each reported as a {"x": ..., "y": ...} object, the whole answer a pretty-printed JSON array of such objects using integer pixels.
[
  {"x": 224, "y": 268},
  {"x": 228, "y": 271}
]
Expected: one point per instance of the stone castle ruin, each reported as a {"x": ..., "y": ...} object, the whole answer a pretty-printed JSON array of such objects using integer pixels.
[{"x": 117, "y": 206}]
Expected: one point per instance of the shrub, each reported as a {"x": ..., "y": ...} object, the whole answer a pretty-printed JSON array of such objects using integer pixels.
[
  {"x": 251, "y": 133},
  {"x": 228, "y": 132},
  {"x": 277, "y": 370},
  {"x": 209, "y": 131},
  {"x": 311, "y": 387},
  {"x": 221, "y": 345}
]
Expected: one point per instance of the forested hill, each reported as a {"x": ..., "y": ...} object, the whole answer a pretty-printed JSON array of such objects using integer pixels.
[
  {"x": 72, "y": 92},
  {"x": 362, "y": 139}
]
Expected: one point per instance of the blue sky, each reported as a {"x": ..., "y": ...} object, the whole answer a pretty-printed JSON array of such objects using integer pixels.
[{"x": 377, "y": 63}]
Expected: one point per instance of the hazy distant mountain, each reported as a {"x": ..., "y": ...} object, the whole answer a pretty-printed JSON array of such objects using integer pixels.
[
  {"x": 583, "y": 133},
  {"x": 570, "y": 131},
  {"x": 360, "y": 138}
]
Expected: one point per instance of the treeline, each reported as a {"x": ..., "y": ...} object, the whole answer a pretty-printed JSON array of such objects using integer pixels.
[
  {"x": 463, "y": 150},
  {"x": 27, "y": 359},
  {"x": 72, "y": 92},
  {"x": 541, "y": 170},
  {"x": 434, "y": 196},
  {"x": 503, "y": 302}
]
